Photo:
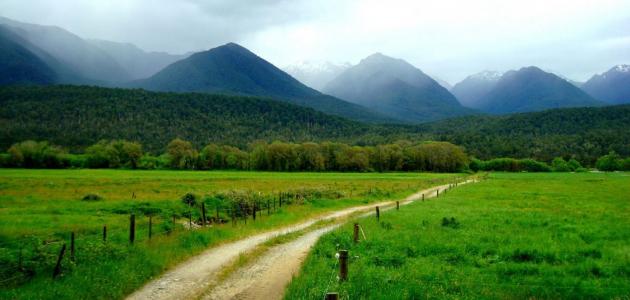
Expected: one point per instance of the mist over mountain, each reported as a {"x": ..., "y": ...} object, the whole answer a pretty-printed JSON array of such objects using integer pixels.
[
  {"x": 136, "y": 62},
  {"x": 396, "y": 88},
  {"x": 87, "y": 60},
  {"x": 18, "y": 65},
  {"x": 612, "y": 87},
  {"x": 473, "y": 88},
  {"x": 316, "y": 75},
  {"x": 443, "y": 83},
  {"x": 232, "y": 69},
  {"x": 532, "y": 89}
]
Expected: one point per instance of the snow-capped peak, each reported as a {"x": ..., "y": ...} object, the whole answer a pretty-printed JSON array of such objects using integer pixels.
[
  {"x": 622, "y": 68},
  {"x": 487, "y": 75}
]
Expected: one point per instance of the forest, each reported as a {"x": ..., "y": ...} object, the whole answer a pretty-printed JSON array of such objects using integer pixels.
[{"x": 76, "y": 117}]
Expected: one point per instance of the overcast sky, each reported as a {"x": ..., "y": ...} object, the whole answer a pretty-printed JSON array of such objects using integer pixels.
[{"x": 447, "y": 39}]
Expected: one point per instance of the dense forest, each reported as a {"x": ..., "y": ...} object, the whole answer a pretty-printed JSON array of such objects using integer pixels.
[{"x": 76, "y": 117}]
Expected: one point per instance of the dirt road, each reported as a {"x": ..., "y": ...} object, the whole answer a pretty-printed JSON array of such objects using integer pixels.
[{"x": 267, "y": 276}]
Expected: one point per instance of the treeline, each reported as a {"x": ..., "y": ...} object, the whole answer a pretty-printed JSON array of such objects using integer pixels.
[
  {"x": 558, "y": 164},
  {"x": 276, "y": 156}
]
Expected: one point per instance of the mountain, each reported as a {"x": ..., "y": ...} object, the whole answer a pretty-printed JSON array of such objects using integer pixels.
[
  {"x": 232, "y": 69},
  {"x": 473, "y": 88},
  {"x": 532, "y": 89},
  {"x": 136, "y": 62},
  {"x": 612, "y": 87},
  {"x": 396, "y": 88},
  {"x": 315, "y": 75},
  {"x": 82, "y": 58},
  {"x": 18, "y": 65}
]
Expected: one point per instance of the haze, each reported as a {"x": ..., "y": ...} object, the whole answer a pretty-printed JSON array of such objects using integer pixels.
[{"x": 448, "y": 39}]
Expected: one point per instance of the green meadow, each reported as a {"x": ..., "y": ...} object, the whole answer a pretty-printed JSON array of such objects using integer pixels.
[
  {"x": 40, "y": 208},
  {"x": 512, "y": 236}
]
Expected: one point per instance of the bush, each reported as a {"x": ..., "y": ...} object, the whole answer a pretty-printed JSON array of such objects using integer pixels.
[
  {"x": 189, "y": 199},
  {"x": 560, "y": 165},
  {"x": 32, "y": 154},
  {"x": 511, "y": 165},
  {"x": 624, "y": 164},
  {"x": 574, "y": 165},
  {"x": 610, "y": 162},
  {"x": 531, "y": 165}
]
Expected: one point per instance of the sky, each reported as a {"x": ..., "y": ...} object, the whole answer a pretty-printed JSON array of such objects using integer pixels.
[{"x": 446, "y": 38}]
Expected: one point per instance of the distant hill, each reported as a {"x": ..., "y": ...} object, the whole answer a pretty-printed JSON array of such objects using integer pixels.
[
  {"x": 473, "y": 88},
  {"x": 611, "y": 87},
  {"x": 531, "y": 89},
  {"x": 232, "y": 69},
  {"x": 396, "y": 88},
  {"x": 78, "y": 116},
  {"x": 137, "y": 63},
  {"x": 584, "y": 133},
  {"x": 86, "y": 60},
  {"x": 18, "y": 65}
]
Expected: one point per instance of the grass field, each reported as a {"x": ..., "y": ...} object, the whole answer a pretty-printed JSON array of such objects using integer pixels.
[
  {"x": 39, "y": 209},
  {"x": 554, "y": 235}
]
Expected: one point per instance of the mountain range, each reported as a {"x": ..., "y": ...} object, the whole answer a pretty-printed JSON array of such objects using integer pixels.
[
  {"x": 380, "y": 89},
  {"x": 396, "y": 88},
  {"x": 315, "y": 75},
  {"x": 232, "y": 69}
]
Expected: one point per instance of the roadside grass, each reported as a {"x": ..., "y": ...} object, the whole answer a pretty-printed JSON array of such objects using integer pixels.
[
  {"x": 45, "y": 206},
  {"x": 510, "y": 236}
]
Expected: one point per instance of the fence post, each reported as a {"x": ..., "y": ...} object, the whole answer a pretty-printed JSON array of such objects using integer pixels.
[
  {"x": 437, "y": 193},
  {"x": 378, "y": 213},
  {"x": 343, "y": 265},
  {"x": 268, "y": 207},
  {"x": 217, "y": 219},
  {"x": 203, "y": 213},
  {"x": 104, "y": 233},
  {"x": 332, "y": 296},
  {"x": 254, "y": 211},
  {"x": 150, "y": 226},
  {"x": 397, "y": 205},
  {"x": 190, "y": 219},
  {"x": 57, "y": 270},
  {"x": 422, "y": 197},
  {"x": 72, "y": 246},
  {"x": 356, "y": 233},
  {"x": 132, "y": 228}
]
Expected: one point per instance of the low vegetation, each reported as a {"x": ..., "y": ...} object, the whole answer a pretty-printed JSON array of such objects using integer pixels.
[{"x": 525, "y": 236}]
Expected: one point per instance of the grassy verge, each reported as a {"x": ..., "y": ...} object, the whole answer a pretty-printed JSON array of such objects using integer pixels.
[
  {"x": 511, "y": 236},
  {"x": 45, "y": 206}
]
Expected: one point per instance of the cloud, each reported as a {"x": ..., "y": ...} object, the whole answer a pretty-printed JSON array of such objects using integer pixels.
[{"x": 448, "y": 38}]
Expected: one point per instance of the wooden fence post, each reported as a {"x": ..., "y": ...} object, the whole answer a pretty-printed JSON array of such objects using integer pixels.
[
  {"x": 217, "y": 219},
  {"x": 332, "y": 296},
  {"x": 190, "y": 219},
  {"x": 355, "y": 235},
  {"x": 150, "y": 226},
  {"x": 104, "y": 233},
  {"x": 132, "y": 228},
  {"x": 437, "y": 193},
  {"x": 343, "y": 265},
  {"x": 254, "y": 211},
  {"x": 268, "y": 207},
  {"x": 57, "y": 269},
  {"x": 203, "y": 213},
  {"x": 72, "y": 246},
  {"x": 378, "y": 214},
  {"x": 422, "y": 197},
  {"x": 397, "y": 205}
]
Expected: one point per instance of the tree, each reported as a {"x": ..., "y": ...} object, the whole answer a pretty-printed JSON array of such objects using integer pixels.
[
  {"x": 560, "y": 165},
  {"x": 182, "y": 154}
]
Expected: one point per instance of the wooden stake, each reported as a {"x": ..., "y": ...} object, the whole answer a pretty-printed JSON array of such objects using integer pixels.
[
  {"x": 343, "y": 265},
  {"x": 397, "y": 205},
  {"x": 104, "y": 233},
  {"x": 72, "y": 246},
  {"x": 356, "y": 233},
  {"x": 132, "y": 228},
  {"x": 203, "y": 213},
  {"x": 150, "y": 226},
  {"x": 57, "y": 269},
  {"x": 332, "y": 296},
  {"x": 378, "y": 213}
]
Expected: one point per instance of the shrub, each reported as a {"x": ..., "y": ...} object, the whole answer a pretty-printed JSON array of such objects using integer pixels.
[
  {"x": 624, "y": 164},
  {"x": 574, "y": 165},
  {"x": 610, "y": 162},
  {"x": 450, "y": 222},
  {"x": 189, "y": 199},
  {"x": 560, "y": 165},
  {"x": 32, "y": 154},
  {"x": 531, "y": 165}
]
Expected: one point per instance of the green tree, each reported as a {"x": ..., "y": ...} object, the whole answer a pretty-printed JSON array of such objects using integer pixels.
[{"x": 182, "y": 154}]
